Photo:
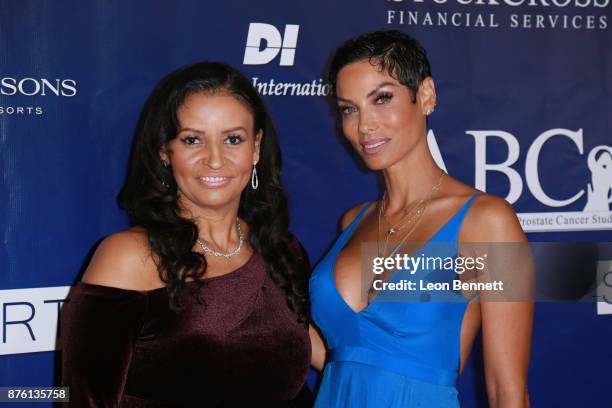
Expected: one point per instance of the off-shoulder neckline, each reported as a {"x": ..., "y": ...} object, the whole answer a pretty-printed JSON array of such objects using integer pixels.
[{"x": 149, "y": 291}]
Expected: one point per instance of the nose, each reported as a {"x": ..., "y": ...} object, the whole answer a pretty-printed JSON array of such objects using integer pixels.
[
  {"x": 368, "y": 123},
  {"x": 215, "y": 159}
]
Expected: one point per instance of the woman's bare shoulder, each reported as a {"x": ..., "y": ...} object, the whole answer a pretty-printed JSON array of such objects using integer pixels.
[
  {"x": 122, "y": 260},
  {"x": 350, "y": 215},
  {"x": 492, "y": 219}
]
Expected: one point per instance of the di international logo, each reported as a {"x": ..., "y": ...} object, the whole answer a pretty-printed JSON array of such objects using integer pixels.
[
  {"x": 269, "y": 44},
  {"x": 265, "y": 42}
]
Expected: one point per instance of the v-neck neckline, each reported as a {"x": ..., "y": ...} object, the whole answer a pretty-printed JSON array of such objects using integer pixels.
[{"x": 349, "y": 231}]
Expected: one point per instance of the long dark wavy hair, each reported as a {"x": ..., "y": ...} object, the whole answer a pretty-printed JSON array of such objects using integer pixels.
[{"x": 149, "y": 194}]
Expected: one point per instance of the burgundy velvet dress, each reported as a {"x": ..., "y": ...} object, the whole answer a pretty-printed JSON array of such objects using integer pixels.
[{"x": 127, "y": 348}]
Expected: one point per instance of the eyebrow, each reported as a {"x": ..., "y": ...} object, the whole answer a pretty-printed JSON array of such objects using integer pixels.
[
  {"x": 372, "y": 92},
  {"x": 190, "y": 130},
  {"x": 234, "y": 129},
  {"x": 203, "y": 132}
]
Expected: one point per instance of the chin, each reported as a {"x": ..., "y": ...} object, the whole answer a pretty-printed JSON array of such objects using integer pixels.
[
  {"x": 376, "y": 164},
  {"x": 212, "y": 200},
  {"x": 376, "y": 167},
  {"x": 219, "y": 201}
]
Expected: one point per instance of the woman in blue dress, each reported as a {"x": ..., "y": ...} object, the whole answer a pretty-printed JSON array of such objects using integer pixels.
[{"x": 408, "y": 353}]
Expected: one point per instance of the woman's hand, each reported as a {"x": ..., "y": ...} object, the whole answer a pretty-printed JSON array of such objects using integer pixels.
[{"x": 318, "y": 348}]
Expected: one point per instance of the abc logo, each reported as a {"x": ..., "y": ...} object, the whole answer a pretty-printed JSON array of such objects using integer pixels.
[{"x": 255, "y": 54}]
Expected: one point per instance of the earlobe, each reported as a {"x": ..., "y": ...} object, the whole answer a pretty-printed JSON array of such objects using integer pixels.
[
  {"x": 427, "y": 96},
  {"x": 258, "y": 138},
  {"x": 163, "y": 156}
]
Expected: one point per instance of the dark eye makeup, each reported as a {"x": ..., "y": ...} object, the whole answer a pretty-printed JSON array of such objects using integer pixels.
[{"x": 384, "y": 97}]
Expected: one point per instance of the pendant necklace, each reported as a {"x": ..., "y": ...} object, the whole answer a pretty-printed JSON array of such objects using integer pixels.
[{"x": 411, "y": 219}]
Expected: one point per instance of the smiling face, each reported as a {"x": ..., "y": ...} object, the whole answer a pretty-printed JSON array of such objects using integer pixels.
[
  {"x": 378, "y": 115},
  {"x": 213, "y": 153}
]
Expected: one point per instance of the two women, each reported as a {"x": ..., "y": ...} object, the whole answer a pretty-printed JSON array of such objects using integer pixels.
[{"x": 204, "y": 299}]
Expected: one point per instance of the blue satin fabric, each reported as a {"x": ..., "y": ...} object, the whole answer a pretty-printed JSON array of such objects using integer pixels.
[{"x": 396, "y": 352}]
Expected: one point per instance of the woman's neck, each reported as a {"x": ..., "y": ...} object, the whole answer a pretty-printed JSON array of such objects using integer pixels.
[
  {"x": 410, "y": 180},
  {"x": 216, "y": 226}
]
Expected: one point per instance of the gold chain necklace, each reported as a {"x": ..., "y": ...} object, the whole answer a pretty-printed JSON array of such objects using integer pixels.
[
  {"x": 417, "y": 217},
  {"x": 393, "y": 228},
  {"x": 370, "y": 293},
  {"x": 420, "y": 207}
]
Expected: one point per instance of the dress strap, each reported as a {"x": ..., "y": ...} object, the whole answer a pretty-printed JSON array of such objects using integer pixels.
[
  {"x": 346, "y": 234},
  {"x": 467, "y": 206},
  {"x": 457, "y": 219},
  {"x": 358, "y": 218}
]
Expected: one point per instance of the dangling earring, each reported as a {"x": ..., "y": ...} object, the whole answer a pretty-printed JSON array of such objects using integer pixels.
[
  {"x": 164, "y": 183},
  {"x": 254, "y": 179}
]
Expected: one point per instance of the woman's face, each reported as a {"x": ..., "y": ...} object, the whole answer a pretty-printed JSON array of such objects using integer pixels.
[
  {"x": 378, "y": 115},
  {"x": 213, "y": 153}
]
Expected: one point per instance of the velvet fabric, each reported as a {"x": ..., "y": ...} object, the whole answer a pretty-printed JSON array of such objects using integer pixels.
[{"x": 128, "y": 348}]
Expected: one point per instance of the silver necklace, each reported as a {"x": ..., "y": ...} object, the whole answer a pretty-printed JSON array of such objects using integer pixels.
[{"x": 228, "y": 255}]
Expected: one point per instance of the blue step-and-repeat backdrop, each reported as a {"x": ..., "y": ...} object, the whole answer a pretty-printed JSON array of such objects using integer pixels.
[{"x": 524, "y": 112}]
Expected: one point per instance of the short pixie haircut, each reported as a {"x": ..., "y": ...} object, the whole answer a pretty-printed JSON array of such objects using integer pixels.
[{"x": 400, "y": 55}]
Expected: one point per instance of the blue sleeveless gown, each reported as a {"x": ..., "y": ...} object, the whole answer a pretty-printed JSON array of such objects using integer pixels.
[{"x": 392, "y": 353}]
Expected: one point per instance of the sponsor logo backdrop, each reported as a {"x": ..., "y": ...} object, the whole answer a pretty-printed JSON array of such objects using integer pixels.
[{"x": 525, "y": 95}]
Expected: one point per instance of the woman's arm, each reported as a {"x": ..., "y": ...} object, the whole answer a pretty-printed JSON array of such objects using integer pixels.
[
  {"x": 316, "y": 341},
  {"x": 100, "y": 324},
  {"x": 318, "y": 348},
  {"x": 506, "y": 325}
]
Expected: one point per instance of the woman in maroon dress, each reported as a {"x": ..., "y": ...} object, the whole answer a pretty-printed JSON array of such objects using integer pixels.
[{"x": 203, "y": 301}]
